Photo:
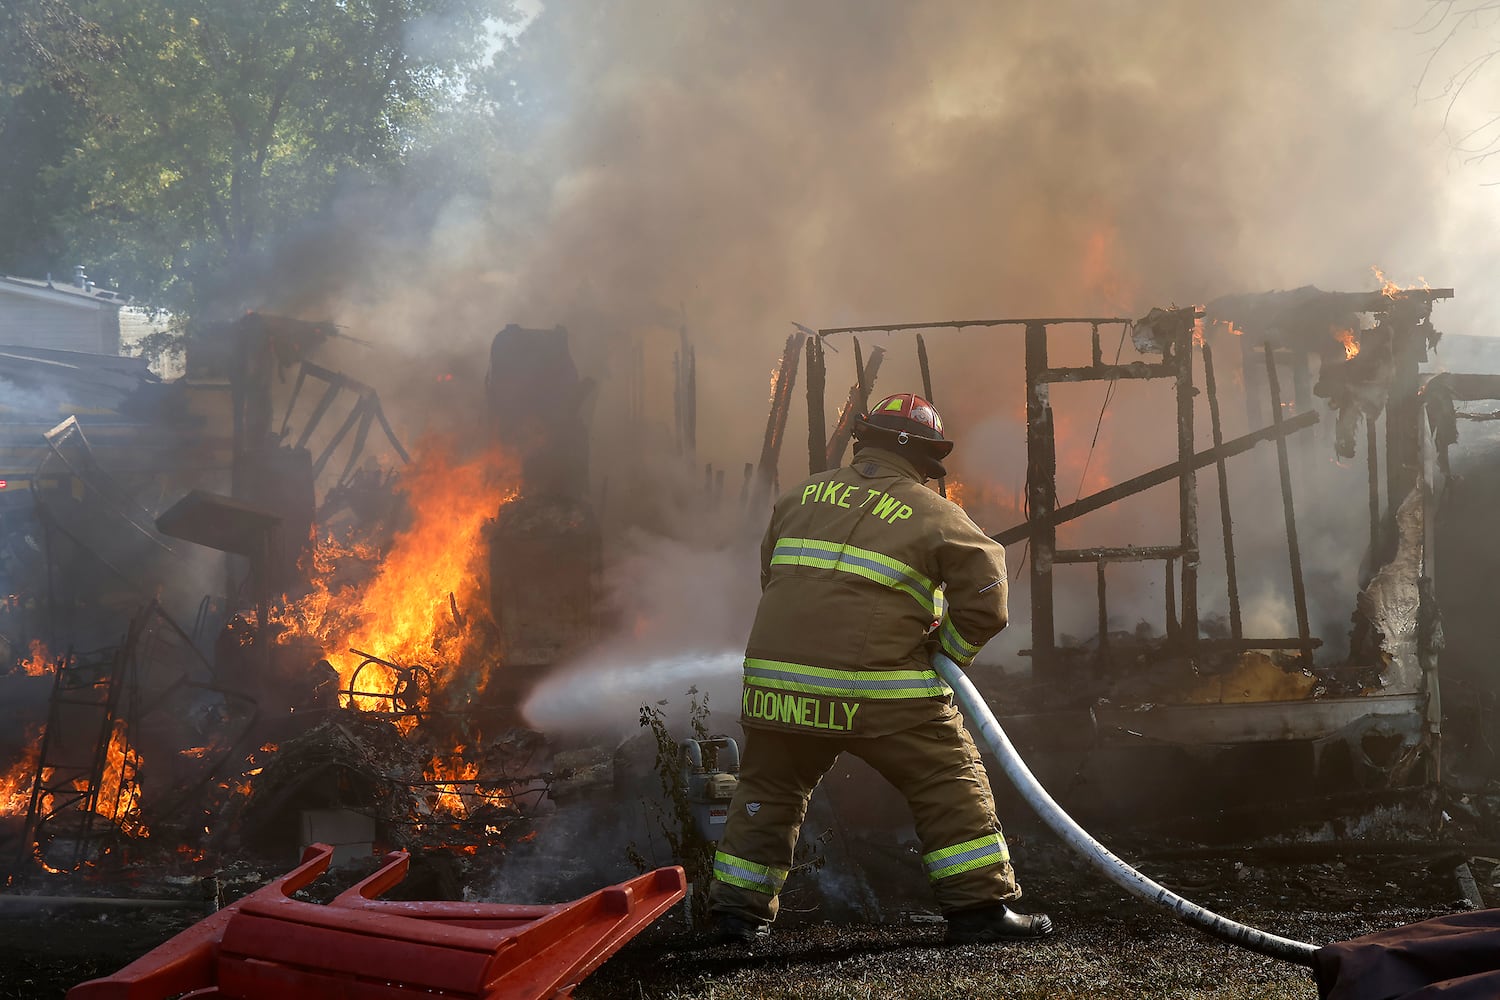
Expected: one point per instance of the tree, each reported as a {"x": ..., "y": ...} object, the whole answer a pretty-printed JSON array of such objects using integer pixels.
[
  {"x": 216, "y": 127},
  {"x": 1464, "y": 62},
  {"x": 41, "y": 111}
]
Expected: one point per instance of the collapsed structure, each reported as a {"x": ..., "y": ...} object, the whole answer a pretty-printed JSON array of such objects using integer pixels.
[{"x": 354, "y": 672}]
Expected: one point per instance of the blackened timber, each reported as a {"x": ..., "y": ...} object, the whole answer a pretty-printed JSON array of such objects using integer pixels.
[
  {"x": 1041, "y": 493},
  {"x": 1124, "y": 553},
  {"x": 1187, "y": 483},
  {"x": 927, "y": 393},
  {"x": 817, "y": 382},
  {"x": 959, "y": 324},
  {"x": 1155, "y": 477},
  {"x": 864, "y": 381},
  {"x": 1230, "y": 572},
  {"x": 1289, "y": 510},
  {"x": 859, "y": 380},
  {"x": 1101, "y": 373},
  {"x": 781, "y": 402}
]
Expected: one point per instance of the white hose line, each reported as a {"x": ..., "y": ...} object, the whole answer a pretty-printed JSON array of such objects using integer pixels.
[{"x": 1076, "y": 837}]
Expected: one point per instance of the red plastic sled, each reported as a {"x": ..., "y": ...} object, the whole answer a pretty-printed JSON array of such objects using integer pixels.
[{"x": 360, "y": 947}]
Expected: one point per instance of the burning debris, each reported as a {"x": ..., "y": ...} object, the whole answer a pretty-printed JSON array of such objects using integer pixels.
[{"x": 351, "y": 689}]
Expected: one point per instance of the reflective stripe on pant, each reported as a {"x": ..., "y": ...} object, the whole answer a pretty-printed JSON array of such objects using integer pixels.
[{"x": 936, "y": 767}]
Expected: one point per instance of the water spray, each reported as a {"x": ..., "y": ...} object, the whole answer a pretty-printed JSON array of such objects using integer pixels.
[{"x": 1117, "y": 871}]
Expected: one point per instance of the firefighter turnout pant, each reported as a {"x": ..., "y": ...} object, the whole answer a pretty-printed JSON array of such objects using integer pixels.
[{"x": 935, "y": 765}]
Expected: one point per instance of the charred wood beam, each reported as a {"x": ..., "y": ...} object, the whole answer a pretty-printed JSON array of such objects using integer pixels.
[
  {"x": 1288, "y": 509},
  {"x": 859, "y": 380},
  {"x": 854, "y": 405},
  {"x": 1101, "y": 372},
  {"x": 1155, "y": 477},
  {"x": 927, "y": 392},
  {"x": 781, "y": 404},
  {"x": 817, "y": 388},
  {"x": 1187, "y": 483},
  {"x": 337, "y": 382},
  {"x": 1041, "y": 493},
  {"x": 1226, "y": 521},
  {"x": 958, "y": 324},
  {"x": 1380, "y": 301}
]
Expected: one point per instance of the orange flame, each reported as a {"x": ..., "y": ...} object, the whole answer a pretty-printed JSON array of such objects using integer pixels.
[
  {"x": 1390, "y": 289},
  {"x": 39, "y": 663},
  {"x": 1349, "y": 340},
  {"x": 404, "y": 612},
  {"x": 981, "y": 499},
  {"x": 15, "y": 784},
  {"x": 119, "y": 787},
  {"x": 453, "y": 771}
]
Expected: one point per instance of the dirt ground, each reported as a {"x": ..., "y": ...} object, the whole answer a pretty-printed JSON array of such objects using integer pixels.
[{"x": 1106, "y": 946}]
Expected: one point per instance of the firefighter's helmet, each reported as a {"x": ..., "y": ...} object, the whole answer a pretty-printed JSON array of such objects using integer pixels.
[{"x": 902, "y": 419}]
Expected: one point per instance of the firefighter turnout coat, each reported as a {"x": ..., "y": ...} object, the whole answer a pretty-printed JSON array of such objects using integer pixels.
[
  {"x": 862, "y": 570},
  {"x": 856, "y": 567}
]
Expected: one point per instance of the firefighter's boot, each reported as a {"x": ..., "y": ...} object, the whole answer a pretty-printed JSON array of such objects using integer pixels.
[
  {"x": 742, "y": 932},
  {"x": 989, "y": 924}
]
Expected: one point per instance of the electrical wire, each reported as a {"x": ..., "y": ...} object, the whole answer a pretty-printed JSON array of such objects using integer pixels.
[{"x": 1109, "y": 394}]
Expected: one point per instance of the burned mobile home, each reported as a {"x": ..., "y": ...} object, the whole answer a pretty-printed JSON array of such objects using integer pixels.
[{"x": 234, "y": 634}]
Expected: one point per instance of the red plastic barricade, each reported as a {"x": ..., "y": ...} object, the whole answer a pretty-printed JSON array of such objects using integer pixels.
[{"x": 360, "y": 947}]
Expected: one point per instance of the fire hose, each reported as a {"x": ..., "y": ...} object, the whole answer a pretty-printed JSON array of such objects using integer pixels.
[{"x": 1076, "y": 837}]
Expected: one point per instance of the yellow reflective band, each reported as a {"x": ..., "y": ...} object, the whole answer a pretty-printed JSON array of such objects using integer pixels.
[
  {"x": 748, "y": 874},
  {"x": 966, "y": 857},
  {"x": 894, "y": 404},
  {"x": 955, "y": 645},
  {"x": 887, "y": 684},
  {"x": 867, "y": 563}
]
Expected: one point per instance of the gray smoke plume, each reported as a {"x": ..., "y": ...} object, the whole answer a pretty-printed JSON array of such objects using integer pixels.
[{"x": 738, "y": 166}]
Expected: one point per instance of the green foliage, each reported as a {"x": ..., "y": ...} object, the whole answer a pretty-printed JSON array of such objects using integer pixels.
[
  {"x": 675, "y": 820},
  {"x": 203, "y": 132}
]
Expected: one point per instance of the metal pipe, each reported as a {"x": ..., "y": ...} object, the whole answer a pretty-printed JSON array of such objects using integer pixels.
[{"x": 1077, "y": 838}]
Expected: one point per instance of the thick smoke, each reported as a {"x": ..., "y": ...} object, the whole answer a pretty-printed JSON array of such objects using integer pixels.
[{"x": 733, "y": 167}]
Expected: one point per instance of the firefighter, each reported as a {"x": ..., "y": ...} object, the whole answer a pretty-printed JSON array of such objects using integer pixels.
[{"x": 864, "y": 572}]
